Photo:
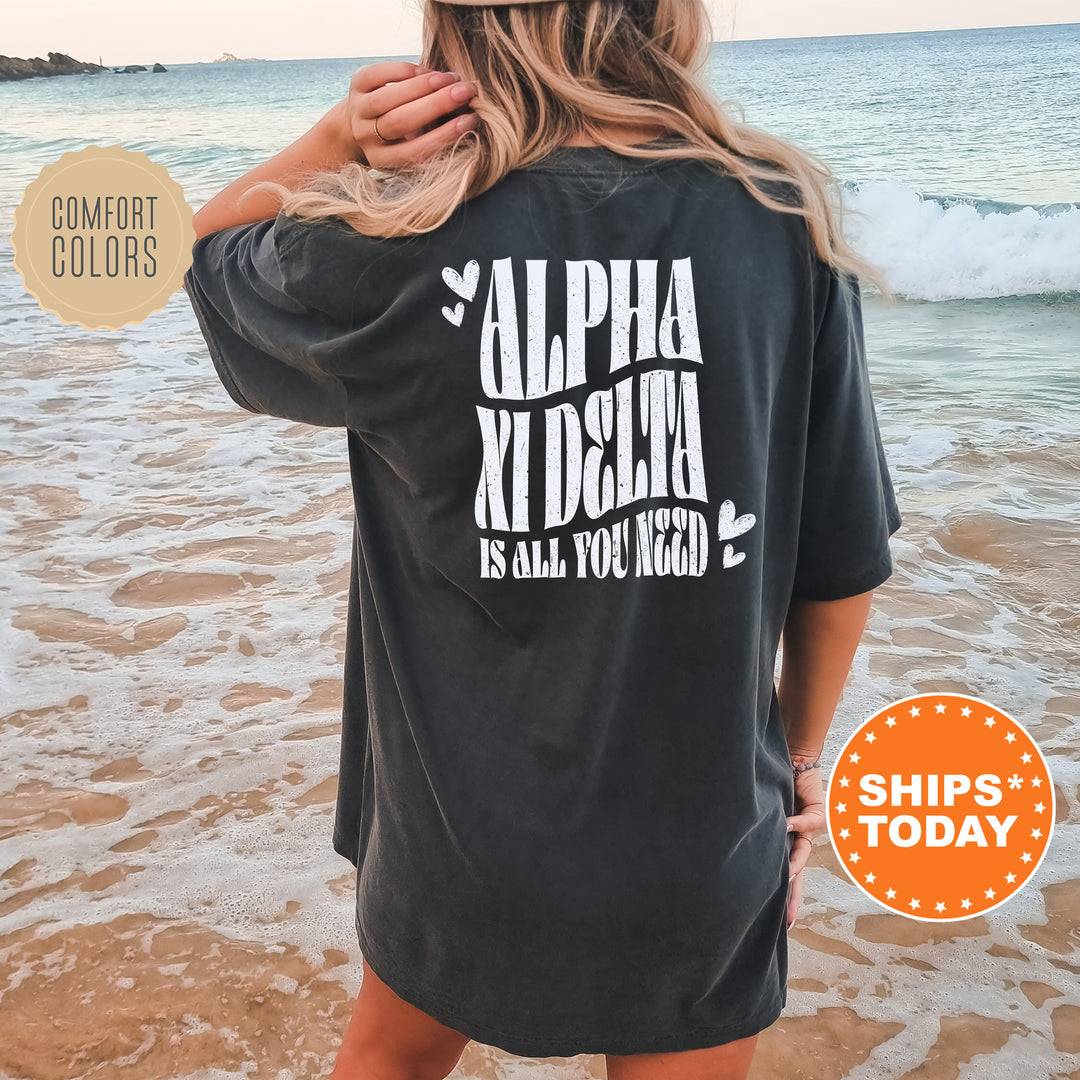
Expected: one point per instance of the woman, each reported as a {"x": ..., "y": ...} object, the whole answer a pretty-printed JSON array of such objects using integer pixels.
[{"x": 597, "y": 349}]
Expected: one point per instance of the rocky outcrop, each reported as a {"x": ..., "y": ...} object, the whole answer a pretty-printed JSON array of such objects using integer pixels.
[
  {"x": 14, "y": 67},
  {"x": 228, "y": 58}
]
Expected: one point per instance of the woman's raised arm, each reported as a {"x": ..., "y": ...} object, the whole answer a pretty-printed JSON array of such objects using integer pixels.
[{"x": 404, "y": 97}]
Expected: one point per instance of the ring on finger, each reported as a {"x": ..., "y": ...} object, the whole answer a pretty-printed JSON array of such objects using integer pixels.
[{"x": 381, "y": 136}]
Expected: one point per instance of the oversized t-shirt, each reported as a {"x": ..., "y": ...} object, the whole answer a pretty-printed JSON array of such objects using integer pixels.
[{"x": 603, "y": 425}]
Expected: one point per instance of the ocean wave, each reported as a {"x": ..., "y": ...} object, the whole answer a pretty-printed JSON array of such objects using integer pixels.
[{"x": 944, "y": 247}]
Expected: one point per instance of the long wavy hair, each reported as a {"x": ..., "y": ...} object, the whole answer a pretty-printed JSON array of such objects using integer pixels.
[{"x": 550, "y": 72}]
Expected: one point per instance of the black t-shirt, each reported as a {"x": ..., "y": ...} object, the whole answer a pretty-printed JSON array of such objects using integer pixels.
[{"x": 603, "y": 425}]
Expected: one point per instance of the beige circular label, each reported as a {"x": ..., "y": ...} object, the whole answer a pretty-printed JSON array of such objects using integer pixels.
[{"x": 103, "y": 237}]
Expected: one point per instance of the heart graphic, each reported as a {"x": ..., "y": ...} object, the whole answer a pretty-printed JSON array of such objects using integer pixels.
[
  {"x": 463, "y": 284},
  {"x": 454, "y": 315},
  {"x": 732, "y": 557},
  {"x": 729, "y": 526}
]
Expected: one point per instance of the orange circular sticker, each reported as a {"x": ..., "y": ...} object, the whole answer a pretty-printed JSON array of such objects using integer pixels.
[
  {"x": 103, "y": 237},
  {"x": 940, "y": 807}
]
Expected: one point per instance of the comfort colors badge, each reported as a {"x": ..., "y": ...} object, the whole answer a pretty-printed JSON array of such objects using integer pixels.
[
  {"x": 940, "y": 807},
  {"x": 103, "y": 237}
]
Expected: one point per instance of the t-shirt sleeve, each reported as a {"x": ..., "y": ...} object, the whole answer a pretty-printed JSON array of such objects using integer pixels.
[
  {"x": 849, "y": 508},
  {"x": 245, "y": 284}
]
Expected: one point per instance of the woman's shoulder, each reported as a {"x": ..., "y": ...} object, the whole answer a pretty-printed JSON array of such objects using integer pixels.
[{"x": 547, "y": 209}]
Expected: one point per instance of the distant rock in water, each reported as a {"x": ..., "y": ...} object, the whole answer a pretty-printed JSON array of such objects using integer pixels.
[
  {"x": 228, "y": 58},
  {"x": 159, "y": 67},
  {"x": 130, "y": 67},
  {"x": 14, "y": 67}
]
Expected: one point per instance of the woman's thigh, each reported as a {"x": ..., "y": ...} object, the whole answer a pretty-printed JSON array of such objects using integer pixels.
[
  {"x": 728, "y": 1062},
  {"x": 389, "y": 1039}
]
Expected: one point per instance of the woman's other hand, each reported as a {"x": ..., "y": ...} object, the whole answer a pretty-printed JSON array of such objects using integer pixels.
[
  {"x": 808, "y": 820},
  {"x": 820, "y": 638},
  {"x": 406, "y": 99}
]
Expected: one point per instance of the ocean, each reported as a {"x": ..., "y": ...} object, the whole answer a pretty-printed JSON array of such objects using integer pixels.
[{"x": 175, "y": 587}]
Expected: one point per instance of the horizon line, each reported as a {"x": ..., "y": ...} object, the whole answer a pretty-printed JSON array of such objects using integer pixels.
[{"x": 715, "y": 41}]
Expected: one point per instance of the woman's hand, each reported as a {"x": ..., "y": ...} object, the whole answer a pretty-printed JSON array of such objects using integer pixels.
[
  {"x": 405, "y": 99},
  {"x": 808, "y": 820}
]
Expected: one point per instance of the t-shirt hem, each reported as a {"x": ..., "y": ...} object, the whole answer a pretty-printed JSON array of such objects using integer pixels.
[
  {"x": 343, "y": 849},
  {"x": 563, "y": 1044},
  {"x": 842, "y": 588}
]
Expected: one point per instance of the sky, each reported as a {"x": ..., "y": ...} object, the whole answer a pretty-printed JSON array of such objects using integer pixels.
[{"x": 141, "y": 32}]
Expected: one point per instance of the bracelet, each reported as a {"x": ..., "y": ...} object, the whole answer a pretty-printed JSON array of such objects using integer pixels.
[{"x": 796, "y": 769}]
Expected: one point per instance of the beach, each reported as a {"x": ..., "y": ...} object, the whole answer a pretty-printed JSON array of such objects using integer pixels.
[{"x": 175, "y": 588}]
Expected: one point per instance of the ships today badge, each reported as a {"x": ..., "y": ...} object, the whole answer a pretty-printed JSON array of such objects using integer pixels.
[{"x": 940, "y": 807}]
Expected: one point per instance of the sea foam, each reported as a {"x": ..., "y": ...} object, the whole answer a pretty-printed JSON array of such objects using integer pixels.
[{"x": 933, "y": 247}]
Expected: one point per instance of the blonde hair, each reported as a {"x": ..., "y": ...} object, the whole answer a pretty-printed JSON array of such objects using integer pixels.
[{"x": 551, "y": 71}]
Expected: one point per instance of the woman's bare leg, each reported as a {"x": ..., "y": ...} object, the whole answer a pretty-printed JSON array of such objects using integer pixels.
[
  {"x": 728, "y": 1062},
  {"x": 389, "y": 1039}
]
